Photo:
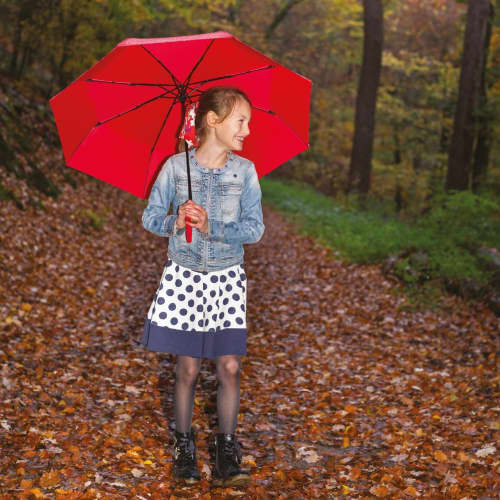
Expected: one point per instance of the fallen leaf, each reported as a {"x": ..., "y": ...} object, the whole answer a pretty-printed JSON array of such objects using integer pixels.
[
  {"x": 308, "y": 455},
  {"x": 440, "y": 456},
  {"x": 379, "y": 491},
  {"x": 49, "y": 479},
  {"x": 486, "y": 450},
  {"x": 410, "y": 491},
  {"x": 137, "y": 472}
]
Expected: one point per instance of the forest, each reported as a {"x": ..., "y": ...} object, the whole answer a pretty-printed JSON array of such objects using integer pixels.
[
  {"x": 417, "y": 47},
  {"x": 374, "y": 296}
]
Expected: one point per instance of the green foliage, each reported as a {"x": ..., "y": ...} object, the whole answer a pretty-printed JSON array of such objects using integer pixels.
[
  {"x": 465, "y": 219},
  {"x": 440, "y": 245},
  {"x": 363, "y": 237},
  {"x": 7, "y": 194},
  {"x": 20, "y": 147},
  {"x": 91, "y": 219}
]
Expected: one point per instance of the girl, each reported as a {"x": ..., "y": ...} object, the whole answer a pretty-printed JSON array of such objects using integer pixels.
[{"x": 199, "y": 310}]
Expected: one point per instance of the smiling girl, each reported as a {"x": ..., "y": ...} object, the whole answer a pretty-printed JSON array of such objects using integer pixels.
[{"x": 199, "y": 309}]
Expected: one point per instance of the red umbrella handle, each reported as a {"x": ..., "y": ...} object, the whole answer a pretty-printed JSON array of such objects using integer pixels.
[{"x": 189, "y": 231}]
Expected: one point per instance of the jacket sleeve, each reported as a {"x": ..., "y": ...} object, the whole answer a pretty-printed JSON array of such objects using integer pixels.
[
  {"x": 250, "y": 227},
  {"x": 154, "y": 217}
]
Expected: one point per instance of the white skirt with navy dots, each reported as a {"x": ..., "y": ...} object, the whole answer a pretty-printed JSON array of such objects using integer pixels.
[{"x": 198, "y": 314}]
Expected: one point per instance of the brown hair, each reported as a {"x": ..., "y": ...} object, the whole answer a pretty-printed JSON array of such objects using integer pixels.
[{"x": 221, "y": 100}]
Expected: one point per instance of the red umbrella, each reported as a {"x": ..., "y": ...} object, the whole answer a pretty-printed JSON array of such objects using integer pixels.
[{"x": 120, "y": 119}]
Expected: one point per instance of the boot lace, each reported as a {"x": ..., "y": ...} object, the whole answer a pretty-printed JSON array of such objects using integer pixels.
[
  {"x": 184, "y": 452},
  {"x": 232, "y": 451}
]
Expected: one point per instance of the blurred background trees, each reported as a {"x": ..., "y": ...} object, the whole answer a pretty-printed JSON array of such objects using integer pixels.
[{"x": 47, "y": 43}]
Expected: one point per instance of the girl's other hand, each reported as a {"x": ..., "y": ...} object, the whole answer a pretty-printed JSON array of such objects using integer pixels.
[{"x": 197, "y": 214}]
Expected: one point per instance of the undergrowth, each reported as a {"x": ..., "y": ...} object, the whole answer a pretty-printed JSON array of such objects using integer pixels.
[{"x": 441, "y": 244}]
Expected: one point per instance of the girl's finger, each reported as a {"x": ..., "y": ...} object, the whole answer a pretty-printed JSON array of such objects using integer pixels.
[
  {"x": 194, "y": 213},
  {"x": 194, "y": 206}
]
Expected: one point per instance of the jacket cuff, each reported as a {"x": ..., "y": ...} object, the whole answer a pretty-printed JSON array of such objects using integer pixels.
[
  {"x": 169, "y": 225},
  {"x": 179, "y": 232}
]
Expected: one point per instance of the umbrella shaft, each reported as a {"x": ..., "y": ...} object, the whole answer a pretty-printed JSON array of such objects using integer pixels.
[{"x": 190, "y": 194}]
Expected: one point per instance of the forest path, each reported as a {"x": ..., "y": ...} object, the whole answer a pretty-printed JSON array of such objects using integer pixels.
[{"x": 345, "y": 389}]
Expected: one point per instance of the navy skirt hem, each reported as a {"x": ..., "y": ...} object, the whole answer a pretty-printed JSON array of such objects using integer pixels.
[{"x": 192, "y": 343}]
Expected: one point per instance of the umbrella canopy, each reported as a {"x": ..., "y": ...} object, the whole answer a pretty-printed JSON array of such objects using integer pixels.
[{"x": 120, "y": 119}]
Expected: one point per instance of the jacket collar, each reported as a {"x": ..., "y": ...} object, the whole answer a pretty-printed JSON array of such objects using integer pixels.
[{"x": 232, "y": 159}]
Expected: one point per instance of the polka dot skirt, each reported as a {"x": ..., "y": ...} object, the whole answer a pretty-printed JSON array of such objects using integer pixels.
[{"x": 198, "y": 314}]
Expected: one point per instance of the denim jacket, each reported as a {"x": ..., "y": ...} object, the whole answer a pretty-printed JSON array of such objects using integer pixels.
[{"x": 232, "y": 198}]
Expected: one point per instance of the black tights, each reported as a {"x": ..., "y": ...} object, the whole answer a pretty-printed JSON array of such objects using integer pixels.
[{"x": 228, "y": 391}]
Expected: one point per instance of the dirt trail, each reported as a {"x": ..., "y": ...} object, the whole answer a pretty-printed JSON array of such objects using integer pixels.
[{"x": 345, "y": 389}]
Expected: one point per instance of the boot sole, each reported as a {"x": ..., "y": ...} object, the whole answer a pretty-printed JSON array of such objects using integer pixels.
[
  {"x": 240, "y": 480},
  {"x": 189, "y": 480}
]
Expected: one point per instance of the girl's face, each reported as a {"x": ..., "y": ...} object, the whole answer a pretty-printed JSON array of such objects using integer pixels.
[{"x": 231, "y": 132}]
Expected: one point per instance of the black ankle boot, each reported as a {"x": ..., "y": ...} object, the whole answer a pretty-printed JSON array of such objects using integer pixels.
[
  {"x": 227, "y": 462},
  {"x": 185, "y": 466}
]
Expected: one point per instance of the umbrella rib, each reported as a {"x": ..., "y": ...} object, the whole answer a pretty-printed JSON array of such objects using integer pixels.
[
  {"x": 271, "y": 112},
  {"x": 186, "y": 81},
  {"x": 163, "y": 125},
  {"x": 232, "y": 75},
  {"x": 176, "y": 82},
  {"x": 159, "y": 85},
  {"x": 95, "y": 80},
  {"x": 131, "y": 109}
]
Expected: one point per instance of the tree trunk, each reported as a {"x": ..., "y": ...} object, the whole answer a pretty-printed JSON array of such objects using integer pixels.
[
  {"x": 366, "y": 101},
  {"x": 483, "y": 143},
  {"x": 16, "y": 45},
  {"x": 397, "y": 145},
  {"x": 462, "y": 141}
]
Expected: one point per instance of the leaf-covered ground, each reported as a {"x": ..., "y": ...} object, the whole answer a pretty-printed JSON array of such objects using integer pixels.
[{"x": 347, "y": 392}]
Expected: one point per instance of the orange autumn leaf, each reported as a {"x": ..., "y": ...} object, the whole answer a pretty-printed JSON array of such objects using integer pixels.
[
  {"x": 410, "y": 491},
  {"x": 355, "y": 473},
  {"x": 280, "y": 475},
  {"x": 50, "y": 478},
  {"x": 440, "y": 456},
  {"x": 379, "y": 491}
]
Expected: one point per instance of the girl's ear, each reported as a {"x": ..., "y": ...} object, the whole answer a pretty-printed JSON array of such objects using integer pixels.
[{"x": 212, "y": 119}]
